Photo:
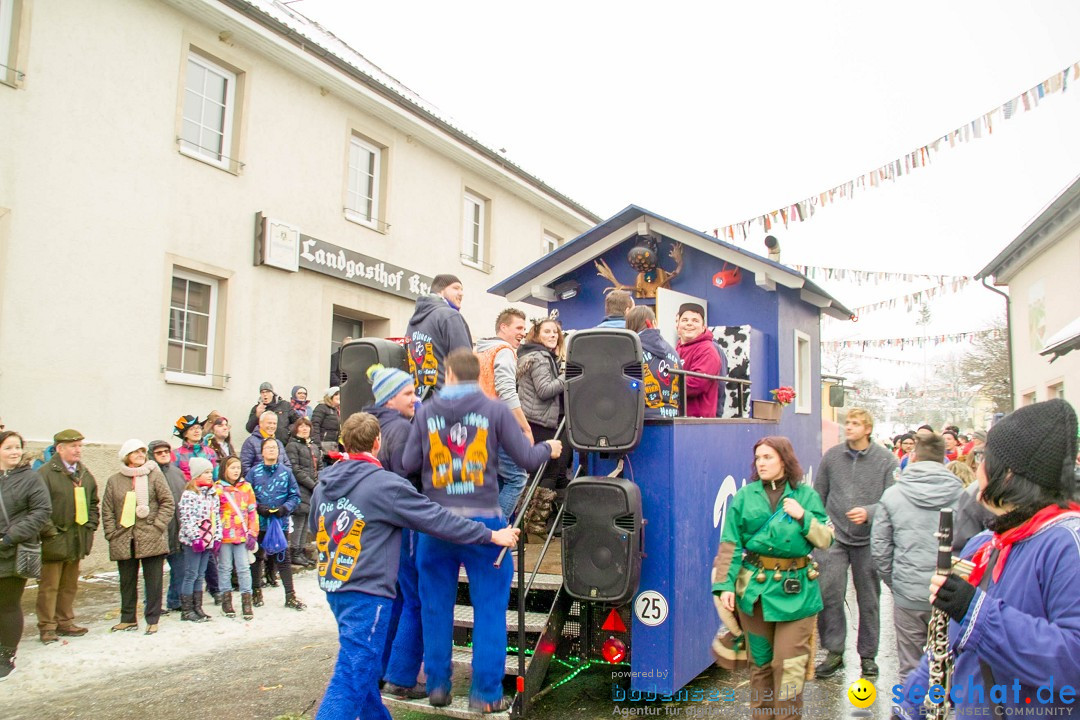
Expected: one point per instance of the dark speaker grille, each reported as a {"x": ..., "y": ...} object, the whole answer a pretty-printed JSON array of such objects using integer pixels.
[
  {"x": 633, "y": 370},
  {"x": 568, "y": 519},
  {"x": 574, "y": 370},
  {"x": 626, "y": 523}
]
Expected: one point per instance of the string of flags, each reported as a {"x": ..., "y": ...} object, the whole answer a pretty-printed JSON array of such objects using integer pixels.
[
  {"x": 920, "y": 157},
  {"x": 915, "y": 299},
  {"x": 905, "y": 342},
  {"x": 867, "y": 276},
  {"x": 891, "y": 361}
]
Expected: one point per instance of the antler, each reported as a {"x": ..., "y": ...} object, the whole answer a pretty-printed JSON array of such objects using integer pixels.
[
  {"x": 676, "y": 254},
  {"x": 604, "y": 271}
]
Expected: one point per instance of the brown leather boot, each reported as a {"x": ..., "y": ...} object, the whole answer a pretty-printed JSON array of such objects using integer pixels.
[
  {"x": 227, "y": 606},
  {"x": 245, "y": 606}
]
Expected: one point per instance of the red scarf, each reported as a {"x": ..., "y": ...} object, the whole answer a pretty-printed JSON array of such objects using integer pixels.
[
  {"x": 1007, "y": 539},
  {"x": 363, "y": 457}
]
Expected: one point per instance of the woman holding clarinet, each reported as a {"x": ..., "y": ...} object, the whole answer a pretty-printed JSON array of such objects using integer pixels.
[{"x": 1014, "y": 632}]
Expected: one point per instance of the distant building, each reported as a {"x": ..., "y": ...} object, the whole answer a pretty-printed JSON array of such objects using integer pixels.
[
  {"x": 200, "y": 195},
  {"x": 1041, "y": 268}
]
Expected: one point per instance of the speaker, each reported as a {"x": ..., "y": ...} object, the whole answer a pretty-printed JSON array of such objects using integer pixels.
[
  {"x": 602, "y": 539},
  {"x": 605, "y": 394},
  {"x": 354, "y": 361}
]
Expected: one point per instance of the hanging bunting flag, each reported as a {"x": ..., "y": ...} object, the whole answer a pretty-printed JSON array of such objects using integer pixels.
[{"x": 907, "y": 163}]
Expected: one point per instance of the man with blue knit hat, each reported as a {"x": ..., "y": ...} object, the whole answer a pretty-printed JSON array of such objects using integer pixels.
[
  {"x": 436, "y": 328},
  {"x": 394, "y": 407}
]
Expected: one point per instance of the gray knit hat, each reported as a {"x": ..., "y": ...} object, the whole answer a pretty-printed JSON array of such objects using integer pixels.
[{"x": 1038, "y": 443}]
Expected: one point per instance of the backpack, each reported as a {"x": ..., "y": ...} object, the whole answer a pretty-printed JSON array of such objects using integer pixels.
[{"x": 487, "y": 369}]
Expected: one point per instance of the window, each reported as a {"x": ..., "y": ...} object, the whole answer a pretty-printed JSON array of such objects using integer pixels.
[
  {"x": 365, "y": 173},
  {"x": 551, "y": 242},
  {"x": 192, "y": 325},
  {"x": 474, "y": 232},
  {"x": 9, "y": 36},
  {"x": 342, "y": 327},
  {"x": 1027, "y": 398},
  {"x": 1057, "y": 390},
  {"x": 803, "y": 384},
  {"x": 209, "y": 102}
]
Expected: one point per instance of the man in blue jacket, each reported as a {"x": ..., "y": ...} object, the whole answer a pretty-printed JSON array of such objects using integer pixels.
[
  {"x": 436, "y": 328},
  {"x": 394, "y": 407},
  {"x": 358, "y": 509},
  {"x": 455, "y": 443}
]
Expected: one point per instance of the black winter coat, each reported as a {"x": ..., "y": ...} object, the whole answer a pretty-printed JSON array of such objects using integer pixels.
[
  {"x": 286, "y": 416},
  {"x": 304, "y": 457},
  {"x": 28, "y": 509},
  {"x": 325, "y": 424}
]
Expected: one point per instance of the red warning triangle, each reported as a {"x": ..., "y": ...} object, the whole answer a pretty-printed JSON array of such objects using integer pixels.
[{"x": 614, "y": 623}]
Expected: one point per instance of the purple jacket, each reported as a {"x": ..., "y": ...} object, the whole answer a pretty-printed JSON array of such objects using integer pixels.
[
  {"x": 1025, "y": 628},
  {"x": 701, "y": 355},
  {"x": 454, "y": 444}
]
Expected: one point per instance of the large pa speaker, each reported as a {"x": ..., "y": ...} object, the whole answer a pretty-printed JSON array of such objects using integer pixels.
[
  {"x": 355, "y": 359},
  {"x": 605, "y": 395},
  {"x": 602, "y": 539}
]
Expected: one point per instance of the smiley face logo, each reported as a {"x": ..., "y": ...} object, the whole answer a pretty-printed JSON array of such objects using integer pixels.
[{"x": 862, "y": 693}]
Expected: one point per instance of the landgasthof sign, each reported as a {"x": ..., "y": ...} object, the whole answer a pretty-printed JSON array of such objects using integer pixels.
[{"x": 322, "y": 257}]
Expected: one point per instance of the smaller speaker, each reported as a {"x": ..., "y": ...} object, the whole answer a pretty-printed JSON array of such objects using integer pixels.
[
  {"x": 605, "y": 394},
  {"x": 354, "y": 361},
  {"x": 602, "y": 539}
]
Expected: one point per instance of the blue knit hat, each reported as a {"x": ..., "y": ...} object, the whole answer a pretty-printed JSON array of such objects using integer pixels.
[{"x": 387, "y": 382}]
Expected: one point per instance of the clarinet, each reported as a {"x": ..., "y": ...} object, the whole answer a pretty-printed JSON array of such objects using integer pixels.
[{"x": 937, "y": 638}]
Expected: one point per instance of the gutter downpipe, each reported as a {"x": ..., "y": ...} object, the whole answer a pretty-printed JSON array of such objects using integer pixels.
[{"x": 1008, "y": 345}]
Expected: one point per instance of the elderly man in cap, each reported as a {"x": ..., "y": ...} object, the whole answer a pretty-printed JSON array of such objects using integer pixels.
[
  {"x": 699, "y": 353},
  {"x": 270, "y": 402},
  {"x": 161, "y": 453},
  {"x": 436, "y": 328},
  {"x": 74, "y": 495}
]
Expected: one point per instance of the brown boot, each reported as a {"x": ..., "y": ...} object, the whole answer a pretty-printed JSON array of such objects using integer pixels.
[
  {"x": 227, "y": 606},
  {"x": 197, "y": 606},
  {"x": 48, "y": 636},
  {"x": 71, "y": 631},
  {"x": 245, "y": 606}
]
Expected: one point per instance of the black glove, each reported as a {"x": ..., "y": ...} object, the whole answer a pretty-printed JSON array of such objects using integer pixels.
[
  {"x": 954, "y": 597},
  {"x": 262, "y": 510}
]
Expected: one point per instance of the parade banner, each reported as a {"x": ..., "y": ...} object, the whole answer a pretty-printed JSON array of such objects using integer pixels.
[{"x": 905, "y": 342}]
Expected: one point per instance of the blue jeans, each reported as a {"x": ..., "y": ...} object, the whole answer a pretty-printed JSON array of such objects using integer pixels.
[
  {"x": 514, "y": 479},
  {"x": 235, "y": 556},
  {"x": 438, "y": 562},
  {"x": 194, "y": 569},
  {"x": 353, "y": 691},
  {"x": 176, "y": 579},
  {"x": 407, "y": 643}
]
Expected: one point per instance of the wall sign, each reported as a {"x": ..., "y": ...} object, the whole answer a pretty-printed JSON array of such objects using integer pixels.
[{"x": 277, "y": 243}]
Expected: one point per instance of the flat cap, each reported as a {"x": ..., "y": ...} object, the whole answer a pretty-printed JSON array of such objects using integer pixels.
[{"x": 68, "y": 435}]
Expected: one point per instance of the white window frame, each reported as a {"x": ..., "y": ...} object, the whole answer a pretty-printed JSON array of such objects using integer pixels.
[
  {"x": 550, "y": 242},
  {"x": 804, "y": 375},
  {"x": 190, "y": 378},
  {"x": 7, "y": 41},
  {"x": 357, "y": 143},
  {"x": 1056, "y": 389},
  {"x": 224, "y": 159},
  {"x": 474, "y": 230}
]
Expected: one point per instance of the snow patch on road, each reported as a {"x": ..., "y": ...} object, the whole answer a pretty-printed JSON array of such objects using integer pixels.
[{"x": 100, "y": 655}]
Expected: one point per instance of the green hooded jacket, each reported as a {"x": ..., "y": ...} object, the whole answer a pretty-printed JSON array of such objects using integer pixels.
[{"x": 751, "y": 525}]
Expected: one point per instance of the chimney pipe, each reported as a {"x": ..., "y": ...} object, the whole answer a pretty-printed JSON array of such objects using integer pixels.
[{"x": 774, "y": 248}]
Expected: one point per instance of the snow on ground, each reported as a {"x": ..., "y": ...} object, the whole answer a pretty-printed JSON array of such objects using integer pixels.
[{"x": 101, "y": 655}]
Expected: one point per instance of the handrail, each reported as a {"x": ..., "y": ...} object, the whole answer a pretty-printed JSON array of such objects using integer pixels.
[{"x": 742, "y": 386}]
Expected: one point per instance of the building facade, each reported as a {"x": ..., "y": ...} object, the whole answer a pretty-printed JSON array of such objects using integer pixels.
[
  {"x": 1041, "y": 268},
  {"x": 197, "y": 196}
]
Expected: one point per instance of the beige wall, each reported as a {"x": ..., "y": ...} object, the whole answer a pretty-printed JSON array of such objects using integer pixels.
[
  {"x": 101, "y": 203},
  {"x": 1044, "y": 297}
]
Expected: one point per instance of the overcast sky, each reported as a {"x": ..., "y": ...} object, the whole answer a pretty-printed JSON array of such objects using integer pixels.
[{"x": 713, "y": 113}]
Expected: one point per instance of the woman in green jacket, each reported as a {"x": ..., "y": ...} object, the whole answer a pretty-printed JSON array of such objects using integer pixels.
[{"x": 764, "y": 571}]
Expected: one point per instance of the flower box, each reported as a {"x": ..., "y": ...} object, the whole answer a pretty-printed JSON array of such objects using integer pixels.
[{"x": 766, "y": 410}]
